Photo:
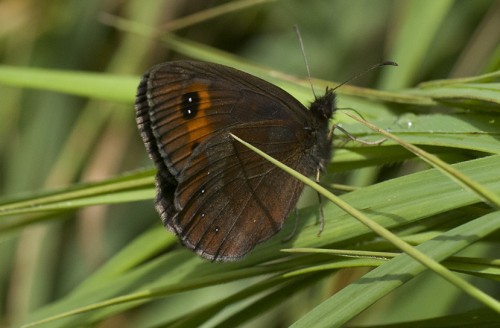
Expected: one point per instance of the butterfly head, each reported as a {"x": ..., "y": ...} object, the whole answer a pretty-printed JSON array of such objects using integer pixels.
[{"x": 323, "y": 107}]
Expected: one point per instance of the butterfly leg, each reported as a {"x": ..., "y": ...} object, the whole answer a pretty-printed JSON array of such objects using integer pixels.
[
  {"x": 320, "y": 200},
  {"x": 353, "y": 138},
  {"x": 295, "y": 226}
]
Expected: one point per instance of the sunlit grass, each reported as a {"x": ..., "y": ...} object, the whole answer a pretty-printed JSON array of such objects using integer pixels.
[{"x": 69, "y": 143}]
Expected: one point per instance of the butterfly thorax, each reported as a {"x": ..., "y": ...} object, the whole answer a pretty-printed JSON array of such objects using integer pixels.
[{"x": 322, "y": 110}]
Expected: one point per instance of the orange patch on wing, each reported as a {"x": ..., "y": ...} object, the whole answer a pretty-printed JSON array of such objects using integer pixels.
[{"x": 199, "y": 126}]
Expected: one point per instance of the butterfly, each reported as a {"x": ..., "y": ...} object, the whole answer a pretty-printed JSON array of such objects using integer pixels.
[{"x": 220, "y": 198}]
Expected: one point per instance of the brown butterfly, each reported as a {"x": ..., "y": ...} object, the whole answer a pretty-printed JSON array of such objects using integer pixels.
[{"x": 220, "y": 198}]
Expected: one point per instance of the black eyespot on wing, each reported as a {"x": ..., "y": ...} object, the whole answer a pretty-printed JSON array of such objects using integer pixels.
[{"x": 190, "y": 105}]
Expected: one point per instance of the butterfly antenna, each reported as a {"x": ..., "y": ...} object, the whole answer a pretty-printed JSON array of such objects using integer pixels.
[
  {"x": 301, "y": 42},
  {"x": 384, "y": 63}
]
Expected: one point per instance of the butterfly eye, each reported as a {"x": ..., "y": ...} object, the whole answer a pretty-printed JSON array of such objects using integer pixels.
[{"x": 190, "y": 104}]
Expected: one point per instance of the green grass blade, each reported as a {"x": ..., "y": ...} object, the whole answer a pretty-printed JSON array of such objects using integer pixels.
[{"x": 356, "y": 297}]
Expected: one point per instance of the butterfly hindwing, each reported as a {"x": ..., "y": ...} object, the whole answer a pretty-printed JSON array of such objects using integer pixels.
[{"x": 229, "y": 205}]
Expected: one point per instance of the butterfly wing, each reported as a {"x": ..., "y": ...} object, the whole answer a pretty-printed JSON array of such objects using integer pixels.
[
  {"x": 180, "y": 104},
  {"x": 227, "y": 199},
  {"x": 239, "y": 199}
]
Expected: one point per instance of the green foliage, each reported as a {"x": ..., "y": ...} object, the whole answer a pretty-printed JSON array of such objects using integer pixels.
[{"x": 82, "y": 245}]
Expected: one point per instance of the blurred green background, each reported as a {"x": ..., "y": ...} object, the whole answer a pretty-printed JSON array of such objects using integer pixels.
[{"x": 50, "y": 140}]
